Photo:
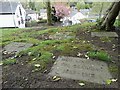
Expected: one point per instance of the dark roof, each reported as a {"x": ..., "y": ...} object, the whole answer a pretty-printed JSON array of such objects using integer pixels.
[
  {"x": 8, "y": 7},
  {"x": 28, "y": 11}
]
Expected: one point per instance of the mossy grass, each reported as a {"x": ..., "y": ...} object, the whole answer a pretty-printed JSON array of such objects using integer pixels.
[
  {"x": 101, "y": 55},
  {"x": 9, "y": 61}
]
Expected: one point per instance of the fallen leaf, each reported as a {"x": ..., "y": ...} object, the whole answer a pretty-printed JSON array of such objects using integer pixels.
[
  {"x": 16, "y": 56},
  {"x": 29, "y": 53},
  {"x": 113, "y": 46},
  {"x": 113, "y": 80},
  {"x": 53, "y": 57},
  {"x": 54, "y": 46},
  {"x": 20, "y": 55},
  {"x": 74, "y": 47},
  {"x": 1, "y": 63},
  {"x": 5, "y": 52},
  {"x": 86, "y": 56},
  {"x": 113, "y": 49},
  {"x": 12, "y": 57},
  {"x": 83, "y": 41},
  {"x": 81, "y": 84},
  {"x": 79, "y": 54},
  {"x": 34, "y": 59},
  {"x": 35, "y": 70},
  {"x": 55, "y": 63},
  {"x": 56, "y": 78},
  {"x": 26, "y": 79},
  {"x": 45, "y": 71},
  {"x": 37, "y": 65}
]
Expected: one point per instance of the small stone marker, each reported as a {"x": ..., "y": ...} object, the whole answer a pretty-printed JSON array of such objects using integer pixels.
[
  {"x": 16, "y": 47},
  {"x": 81, "y": 69},
  {"x": 59, "y": 36},
  {"x": 104, "y": 34}
]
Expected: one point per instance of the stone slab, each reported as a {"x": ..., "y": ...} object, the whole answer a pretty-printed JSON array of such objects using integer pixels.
[
  {"x": 104, "y": 34},
  {"x": 81, "y": 69},
  {"x": 16, "y": 47},
  {"x": 59, "y": 36}
]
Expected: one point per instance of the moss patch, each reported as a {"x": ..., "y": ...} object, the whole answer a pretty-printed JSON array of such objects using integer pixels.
[{"x": 101, "y": 55}]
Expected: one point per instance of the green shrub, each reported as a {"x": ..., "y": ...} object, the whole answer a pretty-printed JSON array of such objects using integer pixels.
[
  {"x": 101, "y": 55},
  {"x": 31, "y": 23},
  {"x": 117, "y": 23},
  {"x": 42, "y": 21},
  {"x": 46, "y": 56}
]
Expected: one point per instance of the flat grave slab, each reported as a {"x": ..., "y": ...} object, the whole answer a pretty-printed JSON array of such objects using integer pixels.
[
  {"x": 104, "y": 34},
  {"x": 59, "y": 36},
  {"x": 16, "y": 47},
  {"x": 81, "y": 69}
]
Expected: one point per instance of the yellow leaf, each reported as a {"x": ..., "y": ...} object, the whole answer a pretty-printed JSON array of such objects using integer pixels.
[
  {"x": 37, "y": 65},
  {"x": 81, "y": 84},
  {"x": 113, "y": 80},
  {"x": 56, "y": 78},
  {"x": 34, "y": 59},
  {"x": 1, "y": 63}
]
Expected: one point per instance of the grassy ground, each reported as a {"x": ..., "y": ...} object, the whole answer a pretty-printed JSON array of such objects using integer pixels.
[{"x": 38, "y": 59}]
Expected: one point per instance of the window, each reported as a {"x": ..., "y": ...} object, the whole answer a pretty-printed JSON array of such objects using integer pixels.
[{"x": 20, "y": 11}]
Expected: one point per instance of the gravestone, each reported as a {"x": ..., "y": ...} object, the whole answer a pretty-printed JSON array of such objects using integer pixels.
[
  {"x": 16, "y": 47},
  {"x": 59, "y": 36},
  {"x": 104, "y": 34},
  {"x": 81, "y": 69}
]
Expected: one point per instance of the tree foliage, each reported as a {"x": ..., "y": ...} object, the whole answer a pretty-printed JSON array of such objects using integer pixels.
[{"x": 32, "y": 5}]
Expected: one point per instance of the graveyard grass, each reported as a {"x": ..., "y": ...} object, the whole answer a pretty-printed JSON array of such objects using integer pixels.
[{"x": 46, "y": 50}]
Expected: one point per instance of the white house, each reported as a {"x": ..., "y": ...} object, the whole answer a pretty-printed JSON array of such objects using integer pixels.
[
  {"x": 33, "y": 14},
  {"x": 73, "y": 18},
  {"x": 12, "y": 14},
  {"x": 43, "y": 13}
]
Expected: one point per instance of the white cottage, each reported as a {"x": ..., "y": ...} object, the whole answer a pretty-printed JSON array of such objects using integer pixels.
[
  {"x": 43, "y": 13},
  {"x": 33, "y": 14},
  {"x": 12, "y": 14}
]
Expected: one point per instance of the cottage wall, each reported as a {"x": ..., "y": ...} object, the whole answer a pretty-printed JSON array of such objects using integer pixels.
[
  {"x": 33, "y": 16},
  {"x": 7, "y": 21},
  {"x": 19, "y": 18}
]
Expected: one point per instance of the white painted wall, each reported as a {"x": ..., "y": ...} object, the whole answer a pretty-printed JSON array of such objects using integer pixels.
[
  {"x": 12, "y": 20},
  {"x": 6, "y": 21},
  {"x": 18, "y": 16},
  {"x": 33, "y": 16},
  {"x": 43, "y": 15}
]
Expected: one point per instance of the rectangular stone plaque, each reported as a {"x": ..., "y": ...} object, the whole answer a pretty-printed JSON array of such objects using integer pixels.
[
  {"x": 17, "y": 47},
  {"x": 81, "y": 69},
  {"x": 104, "y": 34}
]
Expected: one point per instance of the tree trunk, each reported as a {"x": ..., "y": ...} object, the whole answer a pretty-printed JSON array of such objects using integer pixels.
[
  {"x": 110, "y": 17},
  {"x": 107, "y": 11},
  {"x": 49, "y": 18},
  {"x": 100, "y": 13}
]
